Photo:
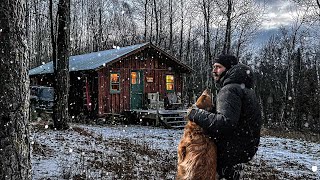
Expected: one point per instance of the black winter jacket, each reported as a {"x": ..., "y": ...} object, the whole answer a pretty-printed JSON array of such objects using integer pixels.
[{"x": 235, "y": 125}]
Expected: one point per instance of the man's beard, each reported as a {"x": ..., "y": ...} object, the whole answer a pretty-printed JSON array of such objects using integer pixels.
[{"x": 216, "y": 77}]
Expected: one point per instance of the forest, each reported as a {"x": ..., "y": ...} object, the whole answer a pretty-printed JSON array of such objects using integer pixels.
[{"x": 286, "y": 64}]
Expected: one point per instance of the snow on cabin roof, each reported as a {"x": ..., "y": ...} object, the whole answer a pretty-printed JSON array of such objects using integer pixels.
[
  {"x": 89, "y": 61},
  {"x": 98, "y": 59}
]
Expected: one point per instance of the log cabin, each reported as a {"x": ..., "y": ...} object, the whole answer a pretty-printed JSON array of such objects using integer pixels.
[{"x": 120, "y": 79}]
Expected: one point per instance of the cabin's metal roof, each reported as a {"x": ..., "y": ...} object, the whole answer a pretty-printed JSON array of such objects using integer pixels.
[
  {"x": 88, "y": 61},
  {"x": 92, "y": 60}
]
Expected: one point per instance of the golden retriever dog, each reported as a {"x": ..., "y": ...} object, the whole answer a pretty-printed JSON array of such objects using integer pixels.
[{"x": 197, "y": 153}]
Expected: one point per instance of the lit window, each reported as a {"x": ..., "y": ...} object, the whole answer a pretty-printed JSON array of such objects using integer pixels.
[
  {"x": 135, "y": 78},
  {"x": 114, "y": 82},
  {"x": 169, "y": 82}
]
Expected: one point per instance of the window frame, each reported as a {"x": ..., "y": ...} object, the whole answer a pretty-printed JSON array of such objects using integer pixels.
[
  {"x": 137, "y": 78},
  {"x": 170, "y": 82},
  {"x": 113, "y": 91}
]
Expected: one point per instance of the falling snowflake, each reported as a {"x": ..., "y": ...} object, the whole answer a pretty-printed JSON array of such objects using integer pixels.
[
  {"x": 46, "y": 126},
  {"x": 314, "y": 168},
  {"x": 70, "y": 150}
]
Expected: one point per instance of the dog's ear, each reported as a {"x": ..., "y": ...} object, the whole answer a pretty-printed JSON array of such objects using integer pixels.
[
  {"x": 205, "y": 92},
  {"x": 204, "y": 101}
]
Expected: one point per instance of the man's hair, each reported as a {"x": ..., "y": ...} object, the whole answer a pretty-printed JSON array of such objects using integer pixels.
[{"x": 226, "y": 60}]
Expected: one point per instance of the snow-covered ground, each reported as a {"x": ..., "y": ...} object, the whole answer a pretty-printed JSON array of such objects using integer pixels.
[{"x": 141, "y": 152}]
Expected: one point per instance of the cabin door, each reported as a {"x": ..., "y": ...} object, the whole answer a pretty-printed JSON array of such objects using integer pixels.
[{"x": 136, "y": 91}]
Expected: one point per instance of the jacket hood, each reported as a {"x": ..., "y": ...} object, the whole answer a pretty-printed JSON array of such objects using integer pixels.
[{"x": 239, "y": 74}]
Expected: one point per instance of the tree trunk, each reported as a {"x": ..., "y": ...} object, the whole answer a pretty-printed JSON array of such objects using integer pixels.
[
  {"x": 317, "y": 64},
  {"x": 145, "y": 20},
  {"x": 181, "y": 31},
  {"x": 206, "y": 14},
  {"x": 227, "y": 40},
  {"x": 297, "y": 103},
  {"x": 170, "y": 26},
  {"x": 14, "y": 92},
  {"x": 62, "y": 72},
  {"x": 54, "y": 55},
  {"x": 157, "y": 21},
  {"x": 151, "y": 26},
  {"x": 239, "y": 43},
  {"x": 100, "y": 39},
  {"x": 188, "y": 43}
]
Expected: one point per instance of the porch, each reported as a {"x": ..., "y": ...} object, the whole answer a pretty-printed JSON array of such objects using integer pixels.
[{"x": 167, "y": 118}]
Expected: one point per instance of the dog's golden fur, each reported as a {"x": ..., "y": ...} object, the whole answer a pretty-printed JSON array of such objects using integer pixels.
[{"x": 197, "y": 153}]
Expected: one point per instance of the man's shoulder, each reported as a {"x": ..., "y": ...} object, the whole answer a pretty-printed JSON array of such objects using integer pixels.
[
  {"x": 230, "y": 90},
  {"x": 233, "y": 87}
]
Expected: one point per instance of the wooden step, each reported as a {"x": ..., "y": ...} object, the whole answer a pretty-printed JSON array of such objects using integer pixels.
[
  {"x": 173, "y": 121},
  {"x": 176, "y": 122},
  {"x": 172, "y": 117},
  {"x": 178, "y": 127}
]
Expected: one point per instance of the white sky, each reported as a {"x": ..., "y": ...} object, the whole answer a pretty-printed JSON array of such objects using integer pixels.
[{"x": 279, "y": 13}]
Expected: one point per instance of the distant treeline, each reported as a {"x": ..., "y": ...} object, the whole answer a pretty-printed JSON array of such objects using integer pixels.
[{"x": 288, "y": 84}]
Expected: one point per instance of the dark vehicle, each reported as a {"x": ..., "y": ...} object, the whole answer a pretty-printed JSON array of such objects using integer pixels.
[{"x": 42, "y": 97}]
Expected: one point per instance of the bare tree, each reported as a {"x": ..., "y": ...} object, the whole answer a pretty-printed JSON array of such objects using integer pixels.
[
  {"x": 145, "y": 19},
  {"x": 156, "y": 17},
  {"x": 227, "y": 39},
  {"x": 61, "y": 67},
  {"x": 207, "y": 5},
  {"x": 14, "y": 92},
  {"x": 312, "y": 5},
  {"x": 241, "y": 22},
  {"x": 170, "y": 25},
  {"x": 181, "y": 28}
]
